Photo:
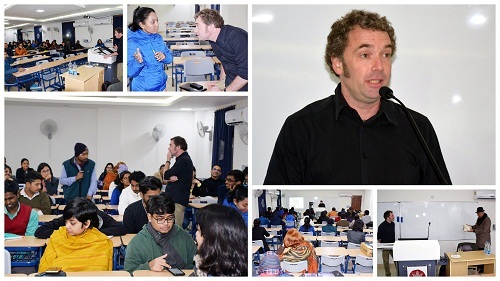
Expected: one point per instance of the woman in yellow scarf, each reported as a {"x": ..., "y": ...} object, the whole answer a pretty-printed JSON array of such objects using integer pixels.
[{"x": 79, "y": 245}]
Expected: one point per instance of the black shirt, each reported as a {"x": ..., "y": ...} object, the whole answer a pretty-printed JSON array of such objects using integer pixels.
[
  {"x": 260, "y": 233},
  {"x": 179, "y": 190},
  {"x": 327, "y": 143},
  {"x": 212, "y": 186},
  {"x": 231, "y": 48},
  {"x": 387, "y": 232},
  {"x": 135, "y": 217},
  {"x": 119, "y": 57}
]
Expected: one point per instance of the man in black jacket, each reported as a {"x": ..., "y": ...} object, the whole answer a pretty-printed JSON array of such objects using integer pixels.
[
  {"x": 107, "y": 225},
  {"x": 387, "y": 234}
]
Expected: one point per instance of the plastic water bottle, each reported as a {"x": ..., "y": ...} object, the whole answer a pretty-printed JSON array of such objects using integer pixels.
[
  {"x": 487, "y": 248},
  {"x": 70, "y": 68}
]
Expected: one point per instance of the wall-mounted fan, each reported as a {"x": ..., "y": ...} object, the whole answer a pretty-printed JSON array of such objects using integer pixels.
[
  {"x": 90, "y": 29},
  {"x": 204, "y": 129},
  {"x": 159, "y": 131},
  {"x": 48, "y": 127},
  {"x": 243, "y": 132}
]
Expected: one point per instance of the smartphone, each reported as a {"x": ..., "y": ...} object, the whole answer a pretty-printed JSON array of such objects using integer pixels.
[
  {"x": 175, "y": 271},
  {"x": 53, "y": 270}
]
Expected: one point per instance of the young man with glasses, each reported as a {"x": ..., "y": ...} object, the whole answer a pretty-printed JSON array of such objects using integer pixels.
[
  {"x": 211, "y": 185},
  {"x": 234, "y": 178},
  {"x": 135, "y": 216},
  {"x": 161, "y": 244}
]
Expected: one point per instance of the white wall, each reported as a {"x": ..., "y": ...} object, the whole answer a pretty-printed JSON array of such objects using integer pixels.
[
  {"x": 439, "y": 195},
  {"x": 440, "y": 56},
  {"x": 111, "y": 134},
  {"x": 315, "y": 195},
  {"x": 236, "y": 15}
]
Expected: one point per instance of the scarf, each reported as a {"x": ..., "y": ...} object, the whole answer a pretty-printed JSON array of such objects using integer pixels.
[
  {"x": 163, "y": 240},
  {"x": 480, "y": 220}
]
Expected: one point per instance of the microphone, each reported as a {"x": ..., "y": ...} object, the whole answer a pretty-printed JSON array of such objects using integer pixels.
[
  {"x": 428, "y": 230},
  {"x": 386, "y": 93}
]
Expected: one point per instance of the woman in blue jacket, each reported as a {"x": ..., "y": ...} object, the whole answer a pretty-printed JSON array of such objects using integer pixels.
[
  {"x": 146, "y": 52},
  {"x": 238, "y": 199}
]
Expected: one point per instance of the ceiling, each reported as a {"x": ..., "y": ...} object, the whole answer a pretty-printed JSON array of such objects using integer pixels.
[
  {"x": 164, "y": 103},
  {"x": 54, "y": 13}
]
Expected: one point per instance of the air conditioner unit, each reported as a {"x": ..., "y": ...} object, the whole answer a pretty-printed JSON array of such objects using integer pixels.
[
  {"x": 345, "y": 195},
  {"x": 103, "y": 21},
  {"x": 80, "y": 23},
  {"x": 236, "y": 116},
  {"x": 485, "y": 194}
]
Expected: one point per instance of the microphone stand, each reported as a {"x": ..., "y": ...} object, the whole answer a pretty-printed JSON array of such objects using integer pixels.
[{"x": 387, "y": 94}]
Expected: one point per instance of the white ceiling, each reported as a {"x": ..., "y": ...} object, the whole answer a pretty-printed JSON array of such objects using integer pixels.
[
  {"x": 196, "y": 103},
  {"x": 53, "y": 11}
]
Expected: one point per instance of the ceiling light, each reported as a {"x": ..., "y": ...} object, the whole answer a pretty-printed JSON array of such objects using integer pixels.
[
  {"x": 262, "y": 18},
  {"x": 40, "y": 11},
  {"x": 186, "y": 109}
]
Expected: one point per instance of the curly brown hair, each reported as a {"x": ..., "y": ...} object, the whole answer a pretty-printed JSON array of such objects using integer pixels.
[
  {"x": 339, "y": 34},
  {"x": 209, "y": 16}
]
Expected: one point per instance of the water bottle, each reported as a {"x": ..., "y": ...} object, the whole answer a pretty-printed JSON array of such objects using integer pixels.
[
  {"x": 487, "y": 248},
  {"x": 70, "y": 68}
]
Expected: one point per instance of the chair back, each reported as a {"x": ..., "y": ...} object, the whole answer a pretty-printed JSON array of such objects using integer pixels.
[
  {"x": 290, "y": 224},
  {"x": 7, "y": 262},
  {"x": 351, "y": 245},
  {"x": 200, "y": 54},
  {"x": 41, "y": 61},
  {"x": 306, "y": 233},
  {"x": 328, "y": 233},
  {"x": 328, "y": 243},
  {"x": 196, "y": 69},
  {"x": 57, "y": 58},
  {"x": 363, "y": 264},
  {"x": 294, "y": 266},
  {"x": 331, "y": 263},
  {"x": 467, "y": 246},
  {"x": 258, "y": 243}
]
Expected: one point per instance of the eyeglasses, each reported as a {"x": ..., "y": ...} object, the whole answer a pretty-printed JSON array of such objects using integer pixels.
[{"x": 161, "y": 220}]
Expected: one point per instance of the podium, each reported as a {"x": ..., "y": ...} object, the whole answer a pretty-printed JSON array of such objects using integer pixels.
[
  {"x": 416, "y": 257},
  {"x": 96, "y": 57}
]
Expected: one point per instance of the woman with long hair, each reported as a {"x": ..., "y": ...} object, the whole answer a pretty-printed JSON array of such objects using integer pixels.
[
  {"x": 356, "y": 235},
  {"x": 307, "y": 227},
  {"x": 122, "y": 181},
  {"x": 49, "y": 183},
  {"x": 295, "y": 248},
  {"x": 147, "y": 54},
  {"x": 222, "y": 242},
  {"x": 238, "y": 199}
]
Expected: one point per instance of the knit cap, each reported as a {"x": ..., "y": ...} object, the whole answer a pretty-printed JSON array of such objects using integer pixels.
[{"x": 80, "y": 148}]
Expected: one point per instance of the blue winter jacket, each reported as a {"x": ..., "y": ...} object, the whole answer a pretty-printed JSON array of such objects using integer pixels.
[{"x": 150, "y": 74}]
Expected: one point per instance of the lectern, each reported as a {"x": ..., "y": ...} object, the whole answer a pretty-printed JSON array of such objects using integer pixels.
[{"x": 416, "y": 257}]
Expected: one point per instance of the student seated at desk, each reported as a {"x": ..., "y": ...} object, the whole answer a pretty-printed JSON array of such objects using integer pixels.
[
  {"x": 238, "y": 199},
  {"x": 329, "y": 227},
  {"x": 49, "y": 183},
  {"x": 19, "y": 219},
  {"x": 78, "y": 45},
  {"x": 222, "y": 242},
  {"x": 8, "y": 70},
  {"x": 33, "y": 196},
  {"x": 161, "y": 243},
  {"x": 100, "y": 44},
  {"x": 20, "y": 50},
  {"x": 107, "y": 225},
  {"x": 135, "y": 216},
  {"x": 79, "y": 245},
  {"x": 307, "y": 227},
  {"x": 260, "y": 233},
  {"x": 356, "y": 235},
  {"x": 122, "y": 182},
  {"x": 295, "y": 248}
]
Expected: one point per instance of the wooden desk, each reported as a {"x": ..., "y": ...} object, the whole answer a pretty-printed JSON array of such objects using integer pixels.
[
  {"x": 337, "y": 251},
  {"x": 164, "y": 273},
  {"x": 87, "y": 80},
  {"x": 118, "y": 218},
  {"x": 51, "y": 64},
  {"x": 182, "y": 39},
  {"x": 458, "y": 266},
  {"x": 126, "y": 238},
  {"x": 47, "y": 218},
  {"x": 23, "y": 245},
  {"x": 114, "y": 273},
  {"x": 190, "y": 47},
  {"x": 21, "y": 62},
  {"x": 16, "y": 275}
]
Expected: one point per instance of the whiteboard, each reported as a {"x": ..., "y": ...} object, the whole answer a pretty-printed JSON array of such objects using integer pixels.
[
  {"x": 446, "y": 218},
  {"x": 444, "y": 68}
]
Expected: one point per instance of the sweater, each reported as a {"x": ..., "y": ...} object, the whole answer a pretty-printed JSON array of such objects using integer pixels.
[
  {"x": 89, "y": 251},
  {"x": 23, "y": 222},
  {"x": 126, "y": 198},
  {"x": 142, "y": 249},
  {"x": 135, "y": 217},
  {"x": 39, "y": 201},
  {"x": 183, "y": 169}
]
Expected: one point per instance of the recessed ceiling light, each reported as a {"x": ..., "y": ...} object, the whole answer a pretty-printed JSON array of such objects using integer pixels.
[
  {"x": 186, "y": 109},
  {"x": 40, "y": 11}
]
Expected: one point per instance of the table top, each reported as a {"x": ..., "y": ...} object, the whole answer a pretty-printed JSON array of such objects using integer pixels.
[
  {"x": 84, "y": 73},
  {"x": 337, "y": 251},
  {"x": 47, "y": 218},
  {"x": 149, "y": 273},
  {"x": 19, "y": 62},
  {"x": 50, "y": 64},
  {"x": 190, "y": 47},
  {"x": 255, "y": 249},
  {"x": 26, "y": 241},
  {"x": 181, "y": 39},
  {"x": 126, "y": 238},
  {"x": 182, "y": 60},
  {"x": 470, "y": 256}
]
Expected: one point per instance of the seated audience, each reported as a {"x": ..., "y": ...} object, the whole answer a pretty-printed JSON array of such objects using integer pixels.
[
  {"x": 131, "y": 194},
  {"x": 23, "y": 170},
  {"x": 322, "y": 218},
  {"x": 238, "y": 199},
  {"x": 366, "y": 218},
  {"x": 356, "y": 235},
  {"x": 211, "y": 185},
  {"x": 79, "y": 245},
  {"x": 161, "y": 243},
  {"x": 135, "y": 216},
  {"x": 234, "y": 178},
  {"x": 260, "y": 233},
  {"x": 329, "y": 227},
  {"x": 107, "y": 169},
  {"x": 7, "y": 172},
  {"x": 111, "y": 176},
  {"x": 50, "y": 184},
  {"x": 222, "y": 242},
  {"x": 295, "y": 248},
  {"x": 32, "y": 195},
  {"x": 264, "y": 221},
  {"x": 122, "y": 182},
  {"x": 307, "y": 227},
  {"x": 19, "y": 219},
  {"x": 332, "y": 213},
  {"x": 160, "y": 173},
  {"x": 270, "y": 266}
]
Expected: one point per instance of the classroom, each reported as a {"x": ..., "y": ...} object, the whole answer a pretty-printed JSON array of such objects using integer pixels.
[
  {"x": 192, "y": 60},
  {"x": 432, "y": 230},
  {"x": 135, "y": 132},
  {"x": 64, "y": 47},
  {"x": 308, "y": 232}
]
